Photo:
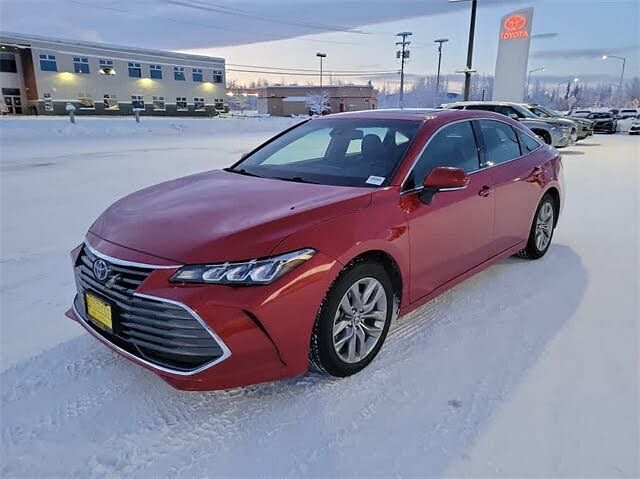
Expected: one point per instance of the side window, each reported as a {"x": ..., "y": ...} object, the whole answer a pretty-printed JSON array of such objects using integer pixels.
[
  {"x": 501, "y": 142},
  {"x": 527, "y": 143},
  {"x": 454, "y": 145}
]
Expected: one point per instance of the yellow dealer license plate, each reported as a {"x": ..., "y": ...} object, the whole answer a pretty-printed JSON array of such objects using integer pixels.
[{"x": 99, "y": 311}]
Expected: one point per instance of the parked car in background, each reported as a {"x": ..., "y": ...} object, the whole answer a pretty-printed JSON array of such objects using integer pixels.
[
  {"x": 584, "y": 126},
  {"x": 627, "y": 113},
  {"x": 304, "y": 251},
  {"x": 634, "y": 129},
  {"x": 558, "y": 132},
  {"x": 603, "y": 121}
]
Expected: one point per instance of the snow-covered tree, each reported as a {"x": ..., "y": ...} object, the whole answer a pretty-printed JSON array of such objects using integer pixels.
[{"x": 318, "y": 103}]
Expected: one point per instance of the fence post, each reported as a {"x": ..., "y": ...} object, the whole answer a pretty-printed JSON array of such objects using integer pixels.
[{"x": 72, "y": 112}]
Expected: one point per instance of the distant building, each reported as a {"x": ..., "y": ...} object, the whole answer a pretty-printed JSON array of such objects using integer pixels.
[
  {"x": 41, "y": 75},
  {"x": 292, "y": 100}
]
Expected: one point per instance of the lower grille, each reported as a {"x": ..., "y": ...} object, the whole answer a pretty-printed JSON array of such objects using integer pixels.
[{"x": 159, "y": 332}]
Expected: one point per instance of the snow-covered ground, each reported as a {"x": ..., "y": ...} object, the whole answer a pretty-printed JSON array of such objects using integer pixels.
[{"x": 527, "y": 369}]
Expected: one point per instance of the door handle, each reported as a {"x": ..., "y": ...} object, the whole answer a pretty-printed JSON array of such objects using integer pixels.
[{"x": 485, "y": 191}]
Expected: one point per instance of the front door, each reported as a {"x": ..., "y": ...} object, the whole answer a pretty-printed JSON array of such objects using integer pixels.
[{"x": 453, "y": 233}]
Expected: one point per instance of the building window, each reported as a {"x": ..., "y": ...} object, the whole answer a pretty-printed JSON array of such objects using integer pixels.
[
  {"x": 48, "y": 102},
  {"x": 198, "y": 104},
  {"x": 197, "y": 74},
  {"x": 106, "y": 67},
  {"x": 218, "y": 104},
  {"x": 181, "y": 104},
  {"x": 80, "y": 65},
  {"x": 111, "y": 102},
  {"x": 217, "y": 76},
  {"x": 86, "y": 102},
  {"x": 158, "y": 103},
  {"x": 8, "y": 63},
  {"x": 137, "y": 102},
  {"x": 178, "y": 73},
  {"x": 134, "y": 70},
  {"x": 155, "y": 71},
  {"x": 48, "y": 63}
]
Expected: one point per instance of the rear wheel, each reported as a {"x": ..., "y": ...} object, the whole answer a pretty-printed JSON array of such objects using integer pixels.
[
  {"x": 353, "y": 320},
  {"x": 542, "y": 229}
]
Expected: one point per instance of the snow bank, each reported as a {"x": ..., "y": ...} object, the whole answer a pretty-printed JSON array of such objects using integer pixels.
[{"x": 50, "y": 128}]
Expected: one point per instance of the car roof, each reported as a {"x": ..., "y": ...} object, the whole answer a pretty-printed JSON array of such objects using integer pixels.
[
  {"x": 390, "y": 113},
  {"x": 437, "y": 117},
  {"x": 479, "y": 102}
]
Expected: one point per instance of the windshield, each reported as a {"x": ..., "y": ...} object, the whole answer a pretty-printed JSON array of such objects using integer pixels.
[
  {"x": 582, "y": 114},
  {"x": 334, "y": 151},
  {"x": 599, "y": 116},
  {"x": 541, "y": 112}
]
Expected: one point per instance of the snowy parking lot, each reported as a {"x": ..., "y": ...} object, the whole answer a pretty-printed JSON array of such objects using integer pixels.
[{"x": 527, "y": 369}]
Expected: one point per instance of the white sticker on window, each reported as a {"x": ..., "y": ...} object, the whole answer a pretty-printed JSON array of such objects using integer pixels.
[{"x": 375, "y": 180}]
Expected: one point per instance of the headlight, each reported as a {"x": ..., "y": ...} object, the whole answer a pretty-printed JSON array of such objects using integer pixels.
[{"x": 257, "y": 271}]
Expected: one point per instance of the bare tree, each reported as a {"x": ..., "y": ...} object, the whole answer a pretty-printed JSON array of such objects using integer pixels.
[{"x": 318, "y": 103}]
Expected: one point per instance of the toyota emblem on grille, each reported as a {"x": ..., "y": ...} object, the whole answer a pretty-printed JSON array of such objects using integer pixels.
[{"x": 100, "y": 270}]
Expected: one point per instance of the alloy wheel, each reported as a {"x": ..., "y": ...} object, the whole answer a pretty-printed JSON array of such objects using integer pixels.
[
  {"x": 544, "y": 226},
  {"x": 359, "y": 320}
]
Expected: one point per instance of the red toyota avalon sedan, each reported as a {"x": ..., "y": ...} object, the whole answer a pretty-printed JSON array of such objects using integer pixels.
[{"x": 303, "y": 252}]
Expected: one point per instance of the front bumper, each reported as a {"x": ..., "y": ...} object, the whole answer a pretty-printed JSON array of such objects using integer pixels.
[
  {"x": 607, "y": 127},
  {"x": 561, "y": 137},
  {"x": 263, "y": 332}
]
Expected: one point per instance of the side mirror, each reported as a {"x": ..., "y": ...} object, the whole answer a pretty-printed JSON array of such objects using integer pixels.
[
  {"x": 443, "y": 178},
  {"x": 514, "y": 116}
]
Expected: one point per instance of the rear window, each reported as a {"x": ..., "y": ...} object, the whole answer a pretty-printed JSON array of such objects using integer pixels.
[{"x": 527, "y": 143}]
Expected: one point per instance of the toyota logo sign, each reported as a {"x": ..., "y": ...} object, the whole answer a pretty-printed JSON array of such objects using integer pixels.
[
  {"x": 100, "y": 270},
  {"x": 515, "y": 22},
  {"x": 514, "y": 27}
]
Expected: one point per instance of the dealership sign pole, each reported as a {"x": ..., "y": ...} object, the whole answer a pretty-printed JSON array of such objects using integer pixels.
[{"x": 513, "y": 55}]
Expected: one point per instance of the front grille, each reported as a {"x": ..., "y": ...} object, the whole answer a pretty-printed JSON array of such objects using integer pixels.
[{"x": 161, "y": 333}]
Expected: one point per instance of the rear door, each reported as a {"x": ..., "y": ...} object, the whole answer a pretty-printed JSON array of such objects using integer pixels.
[{"x": 516, "y": 174}]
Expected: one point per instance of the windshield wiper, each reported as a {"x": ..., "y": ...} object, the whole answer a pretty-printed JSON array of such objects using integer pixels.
[
  {"x": 296, "y": 179},
  {"x": 242, "y": 171}
]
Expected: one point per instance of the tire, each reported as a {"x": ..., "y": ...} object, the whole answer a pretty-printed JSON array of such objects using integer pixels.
[
  {"x": 544, "y": 136},
  {"x": 337, "y": 354},
  {"x": 536, "y": 248}
]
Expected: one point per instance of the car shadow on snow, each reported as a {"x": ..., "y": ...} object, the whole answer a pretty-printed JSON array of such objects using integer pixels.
[
  {"x": 572, "y": 153},
  {"x": 444, "y": 372}
]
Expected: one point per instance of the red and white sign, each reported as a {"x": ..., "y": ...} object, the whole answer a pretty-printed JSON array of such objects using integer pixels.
[{"x": 513, "y": 27}]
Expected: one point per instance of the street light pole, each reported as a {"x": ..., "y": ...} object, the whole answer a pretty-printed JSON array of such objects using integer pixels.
[
  {"x": 403, "y": 54},
  {"x": 321, "y": 56},
  {"x": 472, "y": 30},
  {"x": 624, "y": 61},
  {"x": 439, "y": 41},
  {"x": 541, "y": 69}
]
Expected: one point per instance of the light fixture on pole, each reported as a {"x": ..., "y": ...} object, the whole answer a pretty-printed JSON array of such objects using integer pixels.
[
  {"x": 541, "y": 69},
  {"x": 472, "y": 29},
  {"x": 321, "y": 56},
  {"x": 624, "y": 61},
  {"x": 403, "y": 54},
  {"x": 439, "y": 41}
]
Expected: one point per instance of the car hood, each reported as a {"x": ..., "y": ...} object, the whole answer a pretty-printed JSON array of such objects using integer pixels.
[
  {"x": 558, "y": 121},
  {"x": 221, "y": 216}
]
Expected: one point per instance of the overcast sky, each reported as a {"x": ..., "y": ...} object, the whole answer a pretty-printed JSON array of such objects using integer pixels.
[{"x": 355, "y": 34}]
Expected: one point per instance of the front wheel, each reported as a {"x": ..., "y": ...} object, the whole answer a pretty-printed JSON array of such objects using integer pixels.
[
  {"x": 542, "y": 229},
  {"x": 353, "y": 320}
]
